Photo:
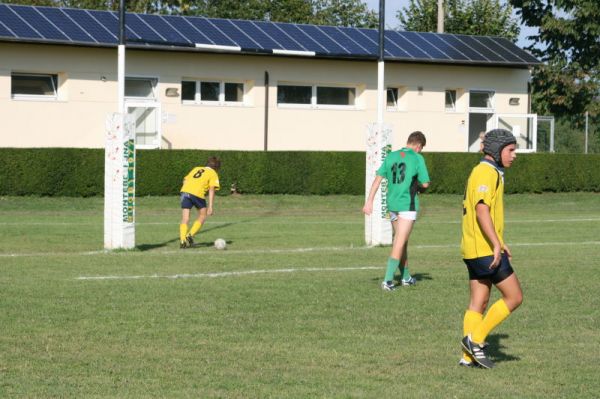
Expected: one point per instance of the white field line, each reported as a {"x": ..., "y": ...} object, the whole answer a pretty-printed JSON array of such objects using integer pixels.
[
  {"x": 228, "y": 274},
  {"x": 316, "y": 222},
  {"x": 196, "y": 252}
]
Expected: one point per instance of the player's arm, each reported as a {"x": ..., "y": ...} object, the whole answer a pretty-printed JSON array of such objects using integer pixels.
[
  {"x": 368, "y": 207},
  {"x": 211, "y": 200},
  {"x": 487, "y": 227}
]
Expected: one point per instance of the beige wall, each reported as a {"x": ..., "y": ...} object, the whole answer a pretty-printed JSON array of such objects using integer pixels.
[{"x": 77, "y": 118}]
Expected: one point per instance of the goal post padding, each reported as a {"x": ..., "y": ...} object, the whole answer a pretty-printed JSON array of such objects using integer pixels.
[
  {"x": 119, "y": 182},
  {"x": 378, "y": 229}
]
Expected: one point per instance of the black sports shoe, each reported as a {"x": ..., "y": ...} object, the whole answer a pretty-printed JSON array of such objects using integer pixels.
[
  {"x": 190, "y": 240},
  {"x": 183, "y": 244},
  {"x": 477, "y": 351}
]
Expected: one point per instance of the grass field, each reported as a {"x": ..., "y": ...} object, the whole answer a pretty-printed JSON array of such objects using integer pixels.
[{"x": 292, "y": 309}]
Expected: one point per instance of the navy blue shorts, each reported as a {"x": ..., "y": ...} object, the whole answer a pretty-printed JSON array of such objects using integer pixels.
[
  {"x": 479, "y": 269},
  {"x": 189, "y": 200}
]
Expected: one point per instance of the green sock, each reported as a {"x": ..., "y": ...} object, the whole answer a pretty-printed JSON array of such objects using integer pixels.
[
  {"x": 392, "y": 264},
  {"x": 405, "y": 273}
]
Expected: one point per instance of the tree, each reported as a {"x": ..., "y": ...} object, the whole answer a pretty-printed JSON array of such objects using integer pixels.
[
  {"x": 470, "y": 17},
  {"x": 568, "y": 42}
]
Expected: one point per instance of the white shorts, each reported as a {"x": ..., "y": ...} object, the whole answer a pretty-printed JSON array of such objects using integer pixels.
[{"x": 406, "y": 215}]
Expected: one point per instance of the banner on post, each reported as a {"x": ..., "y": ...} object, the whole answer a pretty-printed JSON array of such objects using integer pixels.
[
  {"x": 119, "y": 182},
  {"x": 378, "y": 229}
]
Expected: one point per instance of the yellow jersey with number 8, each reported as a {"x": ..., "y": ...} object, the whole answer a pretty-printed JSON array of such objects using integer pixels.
[{"x": 199, "y": 180}]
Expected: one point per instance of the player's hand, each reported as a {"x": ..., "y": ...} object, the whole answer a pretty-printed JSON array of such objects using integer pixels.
[
  {"x": 497, "y": 257},
  {"x": 507, "y": 252},
  {"x": 209, "y": 211},
  {"x": 367, "y": 209}
]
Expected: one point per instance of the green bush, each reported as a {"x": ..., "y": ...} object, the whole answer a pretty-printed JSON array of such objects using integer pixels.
[{"x": 80, "y": 172}]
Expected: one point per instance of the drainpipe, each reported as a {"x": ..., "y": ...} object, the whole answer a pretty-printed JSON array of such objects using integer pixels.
[{"x": 266, "y": 144}]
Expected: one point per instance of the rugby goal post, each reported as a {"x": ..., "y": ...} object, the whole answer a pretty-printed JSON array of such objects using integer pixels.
[
  {"x": 378, "y": 229},
  {"x": 119, "y": 182}
]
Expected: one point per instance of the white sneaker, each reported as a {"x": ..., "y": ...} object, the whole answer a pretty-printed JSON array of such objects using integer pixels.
[
  {"x": 388, "y": 286},
  {"x": 410, "y": 281}
]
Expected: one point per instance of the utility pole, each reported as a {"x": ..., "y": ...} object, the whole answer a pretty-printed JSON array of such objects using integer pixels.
[{"x": 440, "y": 16}]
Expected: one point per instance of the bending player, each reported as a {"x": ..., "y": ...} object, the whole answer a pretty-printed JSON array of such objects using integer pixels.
[{"x": 200, "y": 180}]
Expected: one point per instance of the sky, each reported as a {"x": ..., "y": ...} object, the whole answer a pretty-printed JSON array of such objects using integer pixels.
[{"x": 393, "y": 6}]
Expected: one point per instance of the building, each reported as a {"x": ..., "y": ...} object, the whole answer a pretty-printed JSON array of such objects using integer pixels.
[{"x": 201, "y": 83}]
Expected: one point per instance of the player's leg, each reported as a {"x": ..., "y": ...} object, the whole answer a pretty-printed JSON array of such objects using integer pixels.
[
  {"x": 480, "y": 286},
  {"x": 402, "y": 230},
  {"x": 512, "y": 296},
  {"x": 479, "y": 296},
  {"x": 392, "y": 263},
  {"x": 404, "y": 227},
  {"x": 183, "y": 227},
  {"x": 200, "y": 204}
]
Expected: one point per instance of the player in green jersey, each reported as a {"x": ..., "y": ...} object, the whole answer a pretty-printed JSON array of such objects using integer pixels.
[{"x": 406, "y": 175}]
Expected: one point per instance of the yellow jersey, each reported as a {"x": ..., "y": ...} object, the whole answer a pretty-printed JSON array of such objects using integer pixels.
[
  {"x": 199, "y": 180},
  {"x": 486, "y": 185}
]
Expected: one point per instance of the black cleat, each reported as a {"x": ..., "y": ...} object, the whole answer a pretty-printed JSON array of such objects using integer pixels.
[
  {"x": 477, "y": 351},
  {"x": 183, "y": 244},
  {"x": 190, "y": 240}
]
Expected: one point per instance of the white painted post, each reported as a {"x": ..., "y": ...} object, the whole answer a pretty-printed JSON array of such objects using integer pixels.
[{"x": 378, "y": 229}]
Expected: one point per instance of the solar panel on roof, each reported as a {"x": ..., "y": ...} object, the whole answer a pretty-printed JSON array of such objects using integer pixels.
[
  {"x": 286, "y": 41},
  {"x": 465, "y": 49},
  {"x": 69, "y": 25},
  {"x": 161, "y": 26},
  {"x": 409, "y": 47},
  {"x": 66, "y": 24},
  {"x": 308, "y": 42},
  {"x": 323, "y": 39},
  {"x": 41, "y": 24},
  {"x": 357, "y": 35},
  {"x": 445, "y": 47},
  {"x": 236, "y": 35},
  {"x": 344, "y": 40},
  {"x": 11, "y": 20},
  {"x": 92, "y": 26}
]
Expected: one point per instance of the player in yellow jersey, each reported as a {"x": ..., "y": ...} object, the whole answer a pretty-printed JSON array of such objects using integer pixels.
[
  {"x": 483, "y": 248},
  {"x": 196, "y": 184}
]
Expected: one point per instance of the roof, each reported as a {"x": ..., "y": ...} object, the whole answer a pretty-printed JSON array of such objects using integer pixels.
[{"x": 69, "y": 26}]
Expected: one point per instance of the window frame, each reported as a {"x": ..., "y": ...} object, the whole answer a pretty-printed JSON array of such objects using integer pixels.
[
  {"x": 492, "y": 98},
  {"x": 400, "y": 104},
  {"x": 153, "y": 81},
  {"x": 221, "y": 96},
  {"x": 36, "y": 97},
  {"x": 313, "y": 99},
  {"x": 453, "y": 106}
]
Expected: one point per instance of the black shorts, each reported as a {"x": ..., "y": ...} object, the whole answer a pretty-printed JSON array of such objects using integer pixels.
[
  {"x": 479, "y": 269},
  {"x": 189, "y": 200}
]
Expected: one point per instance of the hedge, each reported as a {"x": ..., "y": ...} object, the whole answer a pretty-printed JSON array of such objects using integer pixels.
[{"x": 80, "y": 172}]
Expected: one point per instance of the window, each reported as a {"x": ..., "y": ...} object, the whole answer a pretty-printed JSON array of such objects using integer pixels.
[
  {"x": 392, "y": 97},
  {"x": 315, "y": 96},
  {"x": 481, "y": 99},
  {"x": 396, "y": 99},
  {"x": 24, "y": 85},
  {"x": 335, "y": 95},
  {"x": 234, "y": 92},
  {"x": 140, "y": 88},
  {"x": 450, "y": 100},
  {"x": 212, "y": 92},
  {"x": 294, "y": 94}
]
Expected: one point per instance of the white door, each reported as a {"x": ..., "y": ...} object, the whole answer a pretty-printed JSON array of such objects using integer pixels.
[
  {"x": 147, "y": 119},
  {"x": 522, "y": 126}
]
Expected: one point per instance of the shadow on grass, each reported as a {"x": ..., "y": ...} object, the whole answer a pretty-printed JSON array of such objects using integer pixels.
[
  {"x": 417, "y": 276},
  {"x": 148, "y": 247},
  {"x": 496, "y": 349}
]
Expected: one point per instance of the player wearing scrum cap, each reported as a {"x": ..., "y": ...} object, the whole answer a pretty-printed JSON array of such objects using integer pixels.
[{"x": 487, "y": 257}]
